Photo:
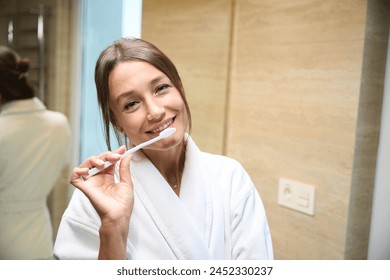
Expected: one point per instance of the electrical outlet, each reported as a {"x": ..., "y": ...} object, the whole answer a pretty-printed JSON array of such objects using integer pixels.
[{"x": 296, "y": 195}]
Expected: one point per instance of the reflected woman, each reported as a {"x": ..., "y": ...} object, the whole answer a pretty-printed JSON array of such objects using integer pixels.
[{"x": 34, "y": 148}]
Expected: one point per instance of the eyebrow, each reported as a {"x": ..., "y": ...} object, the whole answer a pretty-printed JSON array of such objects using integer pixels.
[
  {"x": 124, "y": 95},
  {"x": 131, "y": 92}
]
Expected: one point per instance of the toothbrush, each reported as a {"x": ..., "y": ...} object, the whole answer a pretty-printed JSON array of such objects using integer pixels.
[{"x": 164, "y": 134}]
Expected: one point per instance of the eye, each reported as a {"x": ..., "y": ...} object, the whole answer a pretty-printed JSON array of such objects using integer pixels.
[
  {"x": 163, "y": 88},
  {"x": 131, "y": 105}
]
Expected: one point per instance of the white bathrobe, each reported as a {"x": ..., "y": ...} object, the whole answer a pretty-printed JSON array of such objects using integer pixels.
[
  {"x": 34, "y": 148},
  {"x": 219, "y": 215}
]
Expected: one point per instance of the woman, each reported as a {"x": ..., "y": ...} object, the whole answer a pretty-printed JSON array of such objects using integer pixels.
[
  {"x": 169, "y": 200},
  {"x": 34, "y": 148}
]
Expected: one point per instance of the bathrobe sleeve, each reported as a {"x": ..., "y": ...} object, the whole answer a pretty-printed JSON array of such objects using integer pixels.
[
  {"x": 250, "y": 233},
  {"x": 251, "y": 238},
  {"x": 78, "y": 233}
]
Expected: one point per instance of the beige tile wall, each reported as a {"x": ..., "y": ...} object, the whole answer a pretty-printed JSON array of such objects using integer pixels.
[
  {"x": 297, "y": 71},
  {"x": 303, "y": 99}
]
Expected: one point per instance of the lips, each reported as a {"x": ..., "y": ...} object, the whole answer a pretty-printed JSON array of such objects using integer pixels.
[{"x": 162, "y": 127}]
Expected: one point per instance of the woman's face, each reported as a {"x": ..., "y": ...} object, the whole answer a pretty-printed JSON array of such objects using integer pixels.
[{"x": 145, "y": 102}]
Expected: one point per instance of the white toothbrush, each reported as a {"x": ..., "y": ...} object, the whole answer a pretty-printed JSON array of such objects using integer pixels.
[{"x": 164, "y": 134}]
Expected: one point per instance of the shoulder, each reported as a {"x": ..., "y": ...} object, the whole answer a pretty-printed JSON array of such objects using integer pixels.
[
  {"x": 221, "y": 160},
  {"x": 229, "y": 175},
  {"x": 57, "y": 122},
  {"x": 56, "y": 117},
  {"x": 223, "y": 164}
]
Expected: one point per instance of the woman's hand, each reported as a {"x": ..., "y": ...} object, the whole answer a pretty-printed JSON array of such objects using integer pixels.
[{"x": 112, "y": 201}]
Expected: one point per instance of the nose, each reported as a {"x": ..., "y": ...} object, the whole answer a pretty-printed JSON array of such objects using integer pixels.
[{"x": 155, "y": 111}]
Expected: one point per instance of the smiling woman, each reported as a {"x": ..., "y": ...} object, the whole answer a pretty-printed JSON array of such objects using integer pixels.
[
  {"x": 165, "y": 79},
  {"x": 168, "y": 200},
  {"x": 143, "y": 102}
]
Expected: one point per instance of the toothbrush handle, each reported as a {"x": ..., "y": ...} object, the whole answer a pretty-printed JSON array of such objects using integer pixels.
[{"x": 96, "y": 170}]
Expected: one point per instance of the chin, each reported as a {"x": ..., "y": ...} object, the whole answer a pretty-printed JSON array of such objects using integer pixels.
[{"x": 174, "y": 140}]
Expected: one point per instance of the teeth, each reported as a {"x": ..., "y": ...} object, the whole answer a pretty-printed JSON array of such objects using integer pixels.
[{"x": 161, "y": 128}]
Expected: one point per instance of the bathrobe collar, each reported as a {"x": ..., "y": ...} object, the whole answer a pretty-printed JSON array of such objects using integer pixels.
[
  {"x": 185, "y": 221},
  {"x": 22, "y": 106}
]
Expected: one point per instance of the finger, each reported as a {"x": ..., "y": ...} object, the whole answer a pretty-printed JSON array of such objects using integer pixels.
[
  {"x": 92, "y": 161},
  {"x": 96, "y": 162},
  {"x": 87, "y": 162},
  {"x": 120, "y": 150},
  {"x": 124, "y": 170},
  {"x": 77, "y": 176},
  {"x": 113, "y": 157}
]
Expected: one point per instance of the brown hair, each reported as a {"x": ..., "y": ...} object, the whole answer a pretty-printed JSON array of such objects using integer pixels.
[
  {"x": 13, "y": 76},
  {"x": 128, "y": 49}
]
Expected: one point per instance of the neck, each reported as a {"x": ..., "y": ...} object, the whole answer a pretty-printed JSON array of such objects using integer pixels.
[{"x": 170, "y": 163}]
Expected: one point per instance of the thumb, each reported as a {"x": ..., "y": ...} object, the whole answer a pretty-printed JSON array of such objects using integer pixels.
[{"x": 124, "y": 170}]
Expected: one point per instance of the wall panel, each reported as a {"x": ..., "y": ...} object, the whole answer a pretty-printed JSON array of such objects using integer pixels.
[{"x": 295, "y": 111}]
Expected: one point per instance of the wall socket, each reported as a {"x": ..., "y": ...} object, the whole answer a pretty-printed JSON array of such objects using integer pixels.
[{"x": 296, "y": 195}]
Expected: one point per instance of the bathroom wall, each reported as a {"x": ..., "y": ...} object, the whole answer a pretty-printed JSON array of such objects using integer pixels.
[{"x": 291, "y": 89}]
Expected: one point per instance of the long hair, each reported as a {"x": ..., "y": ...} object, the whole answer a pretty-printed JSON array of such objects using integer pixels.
[
  {"x": 130, "y": 49},
  {"x": 13, "y": 76}
]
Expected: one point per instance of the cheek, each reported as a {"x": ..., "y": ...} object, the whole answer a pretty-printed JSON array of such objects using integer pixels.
[
  {"x": 185, "y": 116},
  {"x": 133, "y": 137},
  {"x": 178, "y": 103},
  {"x": 181, "y": 108},
  {"x": 130, "y": 124},
  {"x": 184, "y": 113}
]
